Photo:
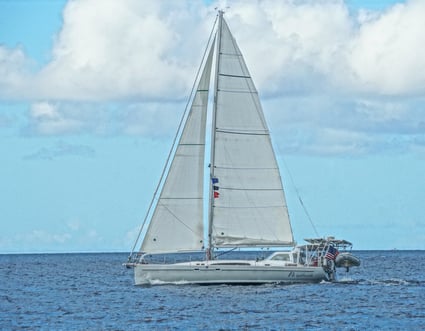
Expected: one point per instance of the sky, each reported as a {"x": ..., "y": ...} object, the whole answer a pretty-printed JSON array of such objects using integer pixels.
[{"x": 91, "y": 93}]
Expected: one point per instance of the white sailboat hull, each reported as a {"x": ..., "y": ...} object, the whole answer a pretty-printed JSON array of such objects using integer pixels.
[{"x": 242, "y": 272}]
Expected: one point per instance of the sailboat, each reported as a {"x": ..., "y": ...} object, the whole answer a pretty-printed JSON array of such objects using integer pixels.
[{"x": 236, "y": 201}]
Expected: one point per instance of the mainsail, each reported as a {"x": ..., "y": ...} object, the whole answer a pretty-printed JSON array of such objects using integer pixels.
[
  {"x": 177, "y": 222},
  {"x": 247, "y": 203},
  {"x": 251, "y": 208}
]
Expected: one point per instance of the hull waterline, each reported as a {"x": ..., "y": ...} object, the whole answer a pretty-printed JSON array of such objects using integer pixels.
[{"x": 243, "y": 273}]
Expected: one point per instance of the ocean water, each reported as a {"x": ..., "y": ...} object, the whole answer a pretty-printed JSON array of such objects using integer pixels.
[{"x": 94, "y": 292}]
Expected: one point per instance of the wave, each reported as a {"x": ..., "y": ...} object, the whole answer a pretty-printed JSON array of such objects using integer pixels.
[
  {"x": 347, "y": 280},
  {"x": 385, "y": 282},
  {"x": 392, "y": 282}
]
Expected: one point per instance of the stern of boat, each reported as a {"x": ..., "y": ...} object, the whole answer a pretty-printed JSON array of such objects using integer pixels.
[{"x": 328, "y": 253}]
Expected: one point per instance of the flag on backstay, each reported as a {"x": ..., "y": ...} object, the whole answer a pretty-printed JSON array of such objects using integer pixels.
[
  {"x": 332, "y": 253},
  {"x": 215, "y": 187}
]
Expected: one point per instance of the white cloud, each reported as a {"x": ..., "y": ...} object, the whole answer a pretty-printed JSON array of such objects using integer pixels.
[
  {"x": 319, "y": 45},
  {"x": 46, "y": 119},
  {"x": 15, "y": 73},
  {"x": 363, "y": 67},
  {"x": 150, "y": 49},
  {"x": 44, "y": 110},
  {"x": 115, "y": 49},
  {"x": 153, "y": 119},
  {"x": 386, "y": 53},
  {"x": 294, "y": 45},
  {"x": 323, "y": 125}
]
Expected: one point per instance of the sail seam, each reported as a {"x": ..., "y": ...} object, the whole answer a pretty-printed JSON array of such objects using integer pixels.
[
  {"x": 192, "y": 144},
  {"x": 249, "y": 207},
  {"x": 239, "y": 168},
  {"x": 231, "y": 54},
  {"x": 237, "y": 91},
  {"x": 248, "y": 189},
  {"x": 235, "y": 76},
  {"x": 265, "y": 133},
  {"x": 172, "y": 198}
]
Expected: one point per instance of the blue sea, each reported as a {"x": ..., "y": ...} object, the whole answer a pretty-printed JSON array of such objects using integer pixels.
[{"x": 95, "y": 292}]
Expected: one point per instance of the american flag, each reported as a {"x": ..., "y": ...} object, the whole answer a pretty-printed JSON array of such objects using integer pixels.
[{"x": 332, "y": 253}]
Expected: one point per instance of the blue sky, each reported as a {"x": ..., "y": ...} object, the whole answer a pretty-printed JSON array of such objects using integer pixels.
[{"x": 91, "y": 93}]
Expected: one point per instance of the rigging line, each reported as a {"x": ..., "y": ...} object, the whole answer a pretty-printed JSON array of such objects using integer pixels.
[
  {"x": 191, "y": 96},
  {"x": 299, "y": 198},
  {"x": 226, "y": 252},
  {"x": 178, "y": 219}
]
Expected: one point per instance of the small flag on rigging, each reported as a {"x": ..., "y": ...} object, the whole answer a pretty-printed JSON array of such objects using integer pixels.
[{"x": 215, "y": 187}]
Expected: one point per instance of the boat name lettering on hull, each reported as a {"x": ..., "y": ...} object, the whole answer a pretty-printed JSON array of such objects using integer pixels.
[{"x": 300, "y": 274}]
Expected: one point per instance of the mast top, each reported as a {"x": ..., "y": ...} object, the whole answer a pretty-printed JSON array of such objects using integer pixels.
[{"x": 220, "y": 11}]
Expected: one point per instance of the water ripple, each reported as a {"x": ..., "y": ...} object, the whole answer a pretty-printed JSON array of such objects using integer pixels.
[{"x": 93, "y": 292}]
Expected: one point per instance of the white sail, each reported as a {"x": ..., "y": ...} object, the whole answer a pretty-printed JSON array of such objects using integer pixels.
[
  {"x": 177, "y": 222},
  {"x": 250, "y": 208}
]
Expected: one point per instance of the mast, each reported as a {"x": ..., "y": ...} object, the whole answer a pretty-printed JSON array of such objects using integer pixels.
[{"x": 213, "y": 133}]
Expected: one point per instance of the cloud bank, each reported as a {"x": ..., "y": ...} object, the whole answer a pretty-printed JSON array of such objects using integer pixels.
[
  {"x": 340, "y": 76},
  {"x": 149, "y": 49}
]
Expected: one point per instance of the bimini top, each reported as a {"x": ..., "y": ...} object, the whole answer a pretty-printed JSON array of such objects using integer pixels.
[{"x": 329, "y": 241}]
